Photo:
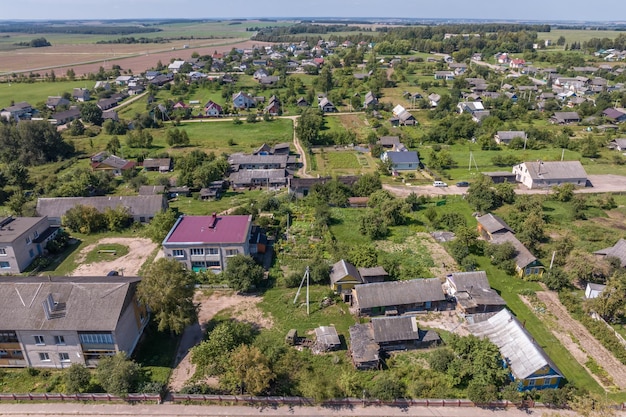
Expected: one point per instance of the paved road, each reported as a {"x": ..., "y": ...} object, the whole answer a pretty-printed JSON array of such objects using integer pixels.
[
  {"x": 175, "y": 410},
  {"x": 601, "y": 184}
]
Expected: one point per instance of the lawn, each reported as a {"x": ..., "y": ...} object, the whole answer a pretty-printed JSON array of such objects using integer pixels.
[
  {"x": 196, "y": 207},
  {"x": 37, "y": 92},
  {"x": 25, "y": 380},
  {"x": 577, "y": 35},
  {"x": 106, "y": 252}
]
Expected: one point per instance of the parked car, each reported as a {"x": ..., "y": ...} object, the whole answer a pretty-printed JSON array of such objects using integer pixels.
[
  {"x": 439, "y": 184},
  {"x": 462, "y": 184},
  {"x": 113, "y": 274}
]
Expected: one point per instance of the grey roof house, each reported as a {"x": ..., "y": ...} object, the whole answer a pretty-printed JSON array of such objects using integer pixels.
[
  {"x": 22, "y": 239},
  {"x": 142, "y": 207},
  {"x": 402, "y": 161},
  {"x": 506, "y": 136},
  {"x": 546, "y": 174},
  {"x": 397, "y": 297}
]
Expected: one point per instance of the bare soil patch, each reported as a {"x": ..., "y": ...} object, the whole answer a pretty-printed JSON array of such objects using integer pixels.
[
  {"x": 444, "y": 320},
  {"x": 578, "y": 341},
  {"x": 242, "y": 308},
  {"x": 616, "y": 220},
  {"x": 139, "y": 250}
]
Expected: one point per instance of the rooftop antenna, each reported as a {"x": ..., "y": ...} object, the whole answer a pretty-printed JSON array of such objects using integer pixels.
[{"x": 305, "y": 277}]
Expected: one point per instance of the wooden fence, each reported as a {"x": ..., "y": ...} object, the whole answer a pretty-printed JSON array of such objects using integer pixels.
[{"x": 81, "y": 397}]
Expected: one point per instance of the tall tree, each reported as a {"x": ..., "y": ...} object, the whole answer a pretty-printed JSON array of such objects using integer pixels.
[
  {"x": 117, "y": 374},
  {"x": 168, "y": 289},
  {"x": 91, "y": 113},
  {"x": 248, "y": 371},
  {"x": 242, "y": 273}
]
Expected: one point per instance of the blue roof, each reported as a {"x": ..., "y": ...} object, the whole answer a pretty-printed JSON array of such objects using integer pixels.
[{"x": 409, "y": 157}]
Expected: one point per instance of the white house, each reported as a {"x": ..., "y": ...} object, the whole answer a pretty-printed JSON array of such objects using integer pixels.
[{"x": 540, "y": 174}]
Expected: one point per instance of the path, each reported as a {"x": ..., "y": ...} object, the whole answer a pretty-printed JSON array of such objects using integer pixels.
[
  {"x": 588, "y": 343},
  {"x": 176, "y": 410},
  {"x": 209, "y": 306},
  {"x": 302, "y": 172}
]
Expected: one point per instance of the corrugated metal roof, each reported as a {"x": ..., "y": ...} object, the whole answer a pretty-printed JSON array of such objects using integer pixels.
[
  {"x": 138, "y": 205},
  {"x": 327, "y": 336},
  {"x": 342, "y": 269},
  {"x": 516, "y": 345},
  {"x": 468, "y": 281},
  {"x": 393, "y": 293}
]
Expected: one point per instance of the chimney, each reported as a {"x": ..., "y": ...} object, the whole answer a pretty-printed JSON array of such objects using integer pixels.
[{"x": 213, "y": 221}]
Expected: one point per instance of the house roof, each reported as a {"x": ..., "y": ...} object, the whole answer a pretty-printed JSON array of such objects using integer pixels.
[
  {"x": 493, "y": 224},
  {"x": 242, "y": 159},
  {"x": 342, "y": 269},
  {"x": 84, "y": 303},
  {"x": 618, "y": 250},
  {"x": 12, "y": 228},
  {"x": 247, "y": 175},
  {"x": 596, "y": 287},
  {"x": 510, "y": 134},
  {"x": 362, "y": 345},
  {"x": 209, "y": 229},
  {"x": 566, "y": 115},
  {"x": 473, "y": 289},
  {"x": 394, "y": 293},
  {"x": 137, "y": 205},
  {"x": 409, "y": 157},
  {"x": 151, "y": 189},
  {"x": 516, "y": 345},
  {"x": 395, "y": 329},
  {"x": 613, "y": 113},
  {"x": 327, "y": 336},
  {"x": 523, "y": 257},
  {"x": 375, "y": 271},
  {"x": 389, "y": 140},
  {"x": 555, "y": 170},
  {"x": 325, "y": 102},
  {"x": 157, "y": 162},
  {"x": 115, "y": 162},
  {"x": 469, "y": 281}
]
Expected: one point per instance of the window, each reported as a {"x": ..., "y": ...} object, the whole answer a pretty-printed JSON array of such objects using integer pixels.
[
  {"x": 17, "y": 353},
  {"x": 97, "y": 338},
  {"x": 36, "y": 234},
  {"x": 3, "y": 352},
  {"x": 39, "y": 340},
  {"x": 213, "y": 264},
  {"x": 44, "y": 356},
  {"x": 232, "y": 252},
  {"x": 197, "y": 251},
  {"x": 8, "y": 337},
  {"x": 64, "y": 356},
  {"x": 28, "y": 241},
  {"x": 198, "y": 264},
  {"x": 31, "y": 253},
  {"x": 3, "y": 251},
  {"x": 212, "y": 251},
  {"x": 4, "y": 265},
  {"x": 178, "y": 253},
  {"x": 59, "y": 340}
]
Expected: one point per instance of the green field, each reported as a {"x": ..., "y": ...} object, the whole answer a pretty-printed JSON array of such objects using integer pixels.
[
  {"x": 37, "y": 92},
  {"x": 577, "y": 35}
]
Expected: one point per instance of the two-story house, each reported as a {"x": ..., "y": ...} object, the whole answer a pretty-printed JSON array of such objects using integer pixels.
[
  {"x": 242, "y": 100},
  {"x": 54, "y": 322},
  {"x": 206, "y": 242},
  {"x": 22, "y": 239}
]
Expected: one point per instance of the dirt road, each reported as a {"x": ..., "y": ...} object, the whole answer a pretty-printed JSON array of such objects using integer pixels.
[
  {"x": 566, "y": 324},
  {"x": 302, "y": 172},
  {"x": 139, "y": 250}
]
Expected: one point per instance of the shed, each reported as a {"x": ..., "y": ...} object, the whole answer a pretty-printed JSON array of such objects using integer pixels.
[
  {"x": 594, "y": 290},
  {"x": 326, "y": 338}
]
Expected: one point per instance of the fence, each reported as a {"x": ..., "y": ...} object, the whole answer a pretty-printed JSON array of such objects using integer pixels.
[
  {"x": 81, "y": 397},
  {"x": 252, "y": 400},
  {"x": 619, "y": 336}
]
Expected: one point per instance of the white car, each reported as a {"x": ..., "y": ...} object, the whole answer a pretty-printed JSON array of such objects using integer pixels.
[{"x": 439, "y": 184}]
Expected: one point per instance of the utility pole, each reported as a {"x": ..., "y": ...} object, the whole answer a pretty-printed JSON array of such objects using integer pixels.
[{"x": 305, "y": 277}]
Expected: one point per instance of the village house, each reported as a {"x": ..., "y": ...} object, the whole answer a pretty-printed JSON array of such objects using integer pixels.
[
  {"x": 300, "y": 187},
  {"x": 157, "y": 164},
  {"x": 618, "y": 144},
  {"x": 344, "y": 276},
  {"x": 401, "y": 161},
  {"x": 81, "y": 94},
  {"x": 55, "y": 322},
  {"x": 398, "y": 297},
  {"x": 495, "y": 230},
  {"x": 370, "y": 101},
  {"x": 212, "y": 109},
  {"x": 113, "y": 164},
  {"x": 22, "y": 239},
  {"x": 326, "y": 106},
  {"x": 269, "y": 178},
  {"x": 151, "y": 189},
  {"x": 506, "y": 136},
  {"x": 17, "y": 112},
  {"x": 564, "y": 118},
  {"x": 56, "y": 101},
  {"x": 243, "y": 100},
  {"x": 472, "y": 293},
  {"x": 616, "y": 251},
  {"x": 384, "y": 334},
  {"x": 204, "y": 243},
  {"x": 529, "y": 365},
  {"x": 614, "y": 115},
  {"x": 546, "y": 174},
  {"x": 141, "y": 208},
  {"x": 214, "y": 191},
  {"x": 64, "y": 117}
]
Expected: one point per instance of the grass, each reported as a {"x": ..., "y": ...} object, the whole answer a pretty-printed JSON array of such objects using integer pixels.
[
  {"x": 577, "y": 35},
  {"x": 37, "y": 92},
  {"x": 194, "y": 206},
  {"x": 30, "y": 380},
  {"x": 104, "y": 253},
  {"x": 155, "y": 353}
]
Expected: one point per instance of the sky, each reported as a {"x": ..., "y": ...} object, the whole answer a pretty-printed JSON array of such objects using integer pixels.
[{"x": 577, "y": 10}]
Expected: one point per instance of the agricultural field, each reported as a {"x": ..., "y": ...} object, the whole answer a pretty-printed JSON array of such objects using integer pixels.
[
  {"x": 577, "y": 35},
  {"x": 37, "y": 92}
]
